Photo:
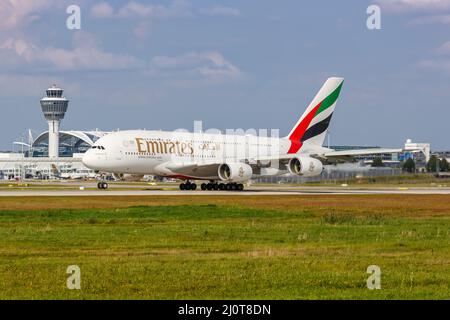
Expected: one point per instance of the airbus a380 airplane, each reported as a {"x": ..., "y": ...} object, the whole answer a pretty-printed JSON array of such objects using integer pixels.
[{"x": 226, "y": 161}]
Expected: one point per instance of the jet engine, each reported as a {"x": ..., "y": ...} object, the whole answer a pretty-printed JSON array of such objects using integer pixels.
[
  {"x": 127, "y": 177},
  {"x": 305, "y": 166},
  {"x": 235, "y": 172}
]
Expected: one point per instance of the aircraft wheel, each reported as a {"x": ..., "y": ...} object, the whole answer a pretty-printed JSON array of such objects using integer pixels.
[
  {"x": 193, "y": 186},
  {"x": 240, "y": 187},
  {"x": 209, "y": 186},
  {"x": 99, "y": 185},
  {"x": 229, "y": 186},
  {"x": 203, "y": 186},
  {"x": 222, "y": 186},
  {"x": 216, "y": 186},
  {"x": 182, "y": 186},
  {"x": 104, "y": 185}
]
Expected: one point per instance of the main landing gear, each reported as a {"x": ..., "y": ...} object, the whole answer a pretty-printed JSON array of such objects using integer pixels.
[
  {"x": 102, "y": 185},
  {"x": 222, "y": 186},
  {"x": 188, "y": 186},
  {"x": 213, "y": 186}
]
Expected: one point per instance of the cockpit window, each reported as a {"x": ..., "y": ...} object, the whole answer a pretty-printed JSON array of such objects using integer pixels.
[{"x": 98, "y": 147}]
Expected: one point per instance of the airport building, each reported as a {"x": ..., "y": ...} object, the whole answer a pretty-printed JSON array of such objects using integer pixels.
[
  {"x": 394, "y": 159},
  {"x": 55, "y": 143},
  {"x": 443, "y": 154},
  {"x": 69, "y": 143},
  {"x": 54, "y": 106},
  {"x": 53, "y": 153}
]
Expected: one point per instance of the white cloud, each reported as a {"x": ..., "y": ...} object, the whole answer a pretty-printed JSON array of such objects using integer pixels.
[
  {"x": 19, "y": 13},
  {"x": 401, "y": 6},
  {"x": 85, "y": 55},
  {"x": 210, "y": 65},
  {"x": 221, "y": 11},
  {"x": 133, "y": 9},
  {"x": 443, "y": 49},
  {"x": 428, "y": 11},
  {"x": 14, "y": 84},
  {"x": 19, "y": 54},
  {"x": 441, "y": 61},
  {"x": 440, "y": 65},
  {"x": 102, "y": 10},
  {"x": 431, "y": 19},
  {"x": 87, "y": 59},
  {"x": 142, "y": 30}
]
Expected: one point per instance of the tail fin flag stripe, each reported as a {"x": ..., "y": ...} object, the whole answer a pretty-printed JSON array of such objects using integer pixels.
[
  {"x": 297, "y": 135},
  {"x": 304, "y": 130},
  {"x": 303, "y": 126},
  {"x": 316, "y": 129},
  {"x": 330, "y": 100}
]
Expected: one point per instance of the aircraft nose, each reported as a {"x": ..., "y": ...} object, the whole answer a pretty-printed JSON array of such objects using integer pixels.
[{"x": 89, "y": 160}]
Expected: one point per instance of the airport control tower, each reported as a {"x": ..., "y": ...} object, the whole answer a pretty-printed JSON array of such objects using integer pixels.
[{"x": 54, "y": 107}]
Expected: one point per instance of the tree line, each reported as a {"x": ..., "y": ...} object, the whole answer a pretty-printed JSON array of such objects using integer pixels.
[{"x": 433, "y": 165}]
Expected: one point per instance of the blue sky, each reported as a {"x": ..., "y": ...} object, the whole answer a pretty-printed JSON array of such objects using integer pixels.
[{"x": 232, "y": 64}]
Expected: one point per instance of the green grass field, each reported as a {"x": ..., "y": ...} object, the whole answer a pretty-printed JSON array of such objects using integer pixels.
[{"x": 225, "y": 248}]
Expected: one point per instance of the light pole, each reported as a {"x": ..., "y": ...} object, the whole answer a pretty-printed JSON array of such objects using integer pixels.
[{"x": 437, "y": 164}]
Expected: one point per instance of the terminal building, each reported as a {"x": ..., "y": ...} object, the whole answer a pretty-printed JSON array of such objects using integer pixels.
[
  {"x": 394, "y": 159},
  {"x": 69, "y": 144}
]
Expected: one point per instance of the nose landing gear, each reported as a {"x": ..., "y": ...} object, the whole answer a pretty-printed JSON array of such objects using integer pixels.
[{"x": 102, "y": 185}]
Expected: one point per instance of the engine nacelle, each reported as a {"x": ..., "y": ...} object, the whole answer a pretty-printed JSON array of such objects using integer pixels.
[
  {"x": 305, "y": 166},
  {"x": 127, "y": 177},
  {"x": 235, "y": 172}
]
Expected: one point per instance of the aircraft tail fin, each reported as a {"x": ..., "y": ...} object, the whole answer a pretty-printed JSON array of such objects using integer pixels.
[{"x": 313, "y": 124}]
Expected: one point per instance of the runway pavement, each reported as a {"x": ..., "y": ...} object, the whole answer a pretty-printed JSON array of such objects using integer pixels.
[{"x": 253, "y": 190}]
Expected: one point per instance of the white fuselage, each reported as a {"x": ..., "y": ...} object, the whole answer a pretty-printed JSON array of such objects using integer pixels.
[{"x": 155, "y": 152}]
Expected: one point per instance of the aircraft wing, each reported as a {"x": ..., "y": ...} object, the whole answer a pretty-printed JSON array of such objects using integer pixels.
[
  {"x": 331, "y": 155},
  {"x": 360, "y": 152},
  {"x": 209, "y": 169},
  {"x": 349, "y": 155}
]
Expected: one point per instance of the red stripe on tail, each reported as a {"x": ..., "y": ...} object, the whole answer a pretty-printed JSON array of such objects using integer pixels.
[{"x": 298, "y": 133}]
